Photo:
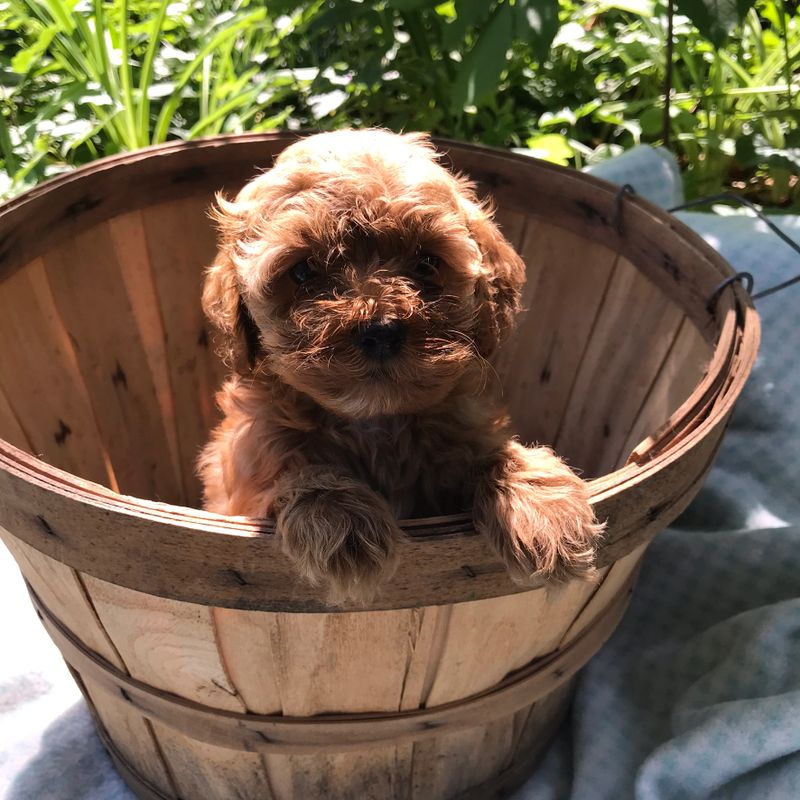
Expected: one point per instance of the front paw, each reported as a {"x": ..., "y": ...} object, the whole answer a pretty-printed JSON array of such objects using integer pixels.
[
  {"x": 536, "y": 513},
  {"x": 338, "y": 533}
]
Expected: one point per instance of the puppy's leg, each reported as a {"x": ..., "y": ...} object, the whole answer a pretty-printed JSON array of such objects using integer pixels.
[
  {"x": 336, "y": 530},
  {"x": 536, "y": 513}
]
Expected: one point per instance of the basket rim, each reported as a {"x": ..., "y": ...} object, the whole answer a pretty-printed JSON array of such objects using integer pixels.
[{"x": 734, "y": 327}]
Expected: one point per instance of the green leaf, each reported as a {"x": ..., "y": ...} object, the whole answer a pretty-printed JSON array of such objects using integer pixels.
[
  {"x": 25, "y": 59},
  {"x": 715, "y": 19},
  {"x": 412, "y": 5},
  {"x": 11, "y": 164},
  {"x": 146, "y": 76},
  {"x": 536, "y": 22},
  {"x": 551, "y": 147},
  {"x": 479, "y": 73},
  {"x": 652, "y": 120},
  {"x": 170, "y": 108},
  {"x": 755, "y": 151},
  {"x": 468, "y": 14}
]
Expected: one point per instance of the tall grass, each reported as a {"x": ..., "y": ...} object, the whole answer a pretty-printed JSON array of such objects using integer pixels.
[
  {"x": 93, "y": 80},
  {"x": 574, "y": 81}
]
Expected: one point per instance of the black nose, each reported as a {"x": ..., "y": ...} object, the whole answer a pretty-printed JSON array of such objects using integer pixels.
[{"x": 381, "y": 340}]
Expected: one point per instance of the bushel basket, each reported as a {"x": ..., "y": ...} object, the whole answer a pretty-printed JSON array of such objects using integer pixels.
[{"x": 212, "y": 671}]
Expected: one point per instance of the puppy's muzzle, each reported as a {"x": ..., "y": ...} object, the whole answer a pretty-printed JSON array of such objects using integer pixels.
[{"x": 380, "y": 340}]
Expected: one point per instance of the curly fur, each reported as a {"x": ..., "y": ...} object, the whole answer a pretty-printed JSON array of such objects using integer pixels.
[{"x": 336, "y": 445}]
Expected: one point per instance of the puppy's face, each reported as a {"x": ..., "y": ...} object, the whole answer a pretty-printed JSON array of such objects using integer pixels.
[{"x": 362, "y": 273}]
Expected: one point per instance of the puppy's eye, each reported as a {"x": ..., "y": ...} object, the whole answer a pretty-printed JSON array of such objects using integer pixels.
[
  {"x": 302, "y": 271},
  {"x": 428, "y": 265}
]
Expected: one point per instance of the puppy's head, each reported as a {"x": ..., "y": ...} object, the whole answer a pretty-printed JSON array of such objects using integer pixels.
[{"x": 362, "y": 273}]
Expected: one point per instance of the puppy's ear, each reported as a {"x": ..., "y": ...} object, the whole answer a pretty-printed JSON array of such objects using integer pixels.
[
  {"x": 497, "y": 292},
  {"x": 223, "y": 303}
]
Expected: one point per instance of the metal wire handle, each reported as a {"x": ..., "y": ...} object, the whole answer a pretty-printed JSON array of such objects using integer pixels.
[{"x": 745, "y": 277}]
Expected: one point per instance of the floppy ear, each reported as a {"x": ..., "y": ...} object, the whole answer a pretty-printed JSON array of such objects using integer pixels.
[
  {"x": 223, "y": 303},
  {"x": 497, "y": 292}
]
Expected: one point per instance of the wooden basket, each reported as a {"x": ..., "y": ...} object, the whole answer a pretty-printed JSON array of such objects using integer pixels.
[{"x": 211, "y": 670}]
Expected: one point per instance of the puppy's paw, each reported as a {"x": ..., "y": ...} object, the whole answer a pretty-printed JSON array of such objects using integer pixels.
[
  {"x": 338, "y": 532},
  {"x": 536, "y": 513}
]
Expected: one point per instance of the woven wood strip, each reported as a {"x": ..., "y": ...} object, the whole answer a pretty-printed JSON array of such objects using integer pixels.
[
  {"x": 497, "y": 787},
  {"x": 337, "y": 732}
]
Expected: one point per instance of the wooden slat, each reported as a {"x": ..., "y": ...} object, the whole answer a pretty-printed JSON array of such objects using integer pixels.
[
  {"x": 514, "y": 629},
  {"x": 373, "y": 774},
  {"x": 91, "y": 298},
  {"x": 173, "y": 646},
  {"x": 512, "y": 225},
  {"x": 201, "y": 770},
  {"x": 535, "y": 727},
  {"x": 41, "y": 380},
  {"x": 181, "y": 243},
  {"x": 635, "y": 327},
  {"x": 10, "y": 428},
  {"x": 617, "y": 575},
  {"x": 666, "y": 250},
  {"x": 680, "y": 373},
  {"x": 246, "y": 641},
  {"x": 320, "y": 662},
  {"x": 130, "y": 247},
  {"x": 61, "y": 587},
  {"x": 133, "y": 736},
  {"x": 165, "y": 643},
  {"x": 572, "y": 277},
  {"x": 507, "y": 359},
  {"x": 427, "y": 642},
  {"x": 450, "y": 764}
]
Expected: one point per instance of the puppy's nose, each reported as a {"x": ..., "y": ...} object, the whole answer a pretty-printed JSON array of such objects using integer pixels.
[{"x": 381, "y": 340}]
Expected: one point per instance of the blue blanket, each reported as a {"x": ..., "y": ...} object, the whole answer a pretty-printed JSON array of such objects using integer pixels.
[{"x": 697, "y": 694}]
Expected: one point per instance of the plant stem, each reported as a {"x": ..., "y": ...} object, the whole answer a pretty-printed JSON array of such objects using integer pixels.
[
  {"x": 666, "y": 125},
  {"x": 788, "y": 64}
]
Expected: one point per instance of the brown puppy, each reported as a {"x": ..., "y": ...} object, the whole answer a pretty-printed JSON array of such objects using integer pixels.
[{"x": 361, "y": 289}]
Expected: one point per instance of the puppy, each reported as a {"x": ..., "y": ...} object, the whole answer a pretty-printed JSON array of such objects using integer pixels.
[{"x": 361, "y": 289}]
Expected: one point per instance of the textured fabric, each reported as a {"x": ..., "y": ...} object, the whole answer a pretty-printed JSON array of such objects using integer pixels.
[
  {"x": 652, "y": 171},
  {"x": 697, "y": 695}
]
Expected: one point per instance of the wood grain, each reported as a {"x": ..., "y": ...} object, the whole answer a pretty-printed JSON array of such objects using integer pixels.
[
  {"x": 62, "y": 588},
  {"x": 85, "y": 277},
  {"x": 10, "y": 427},
  {"x": 339, "y": 732},
  {"x": 134, "y": 737},
  {"x": 681, "y": 372},
  {"x": 41, "y": 380},
  {"x": 165, "y": 643},
  {"x": 181, "y": 243},
  {"x": 635, "y": 327},
  {"x": 130, "y": 248},
  {"x": 571, "y": 276}
]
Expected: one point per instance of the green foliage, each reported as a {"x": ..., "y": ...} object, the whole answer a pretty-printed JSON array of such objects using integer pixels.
[
  {"x": 716, "y": 20},
  {"x": 79, "y": 81},
  {"x": 572, "y": 82}
]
